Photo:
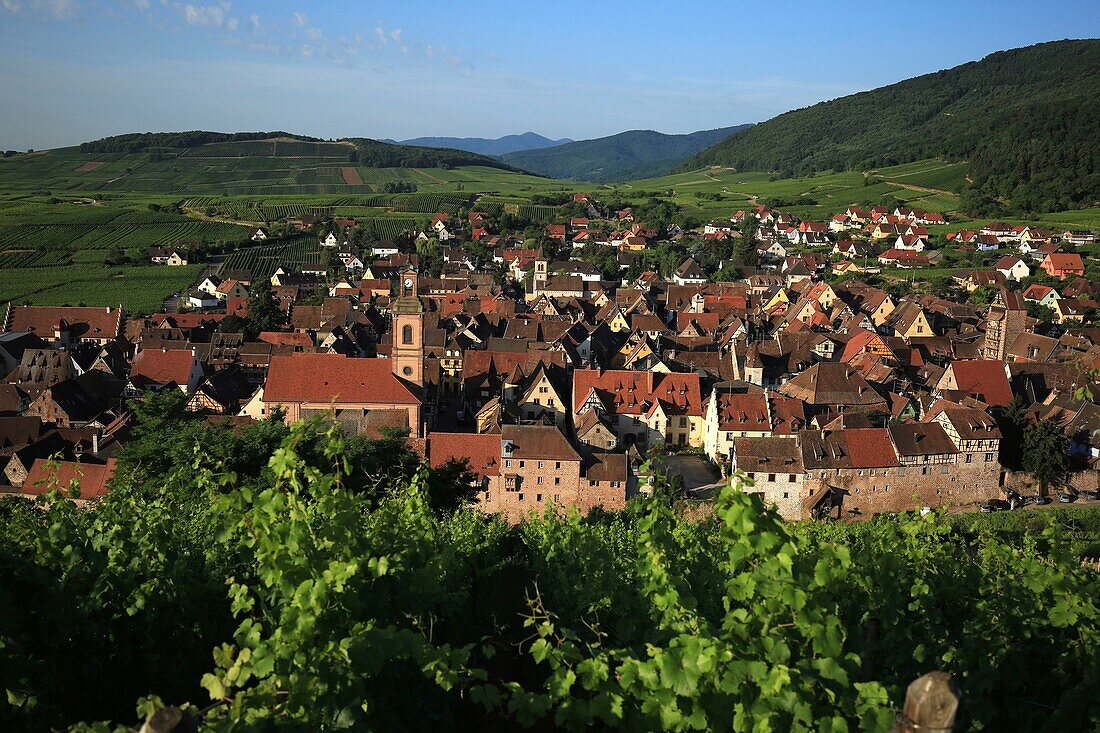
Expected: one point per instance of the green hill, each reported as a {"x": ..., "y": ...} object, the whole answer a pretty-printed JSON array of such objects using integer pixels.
[
  {"x": 364, "y": 151},
  {"x": 622, "y": 157},
  {"x": 1026, "y": 119}
]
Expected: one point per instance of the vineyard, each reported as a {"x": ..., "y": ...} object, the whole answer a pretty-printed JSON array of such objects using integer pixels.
[
  {"x": 294, "y": 579},
  {"x": 262, "y": 261},
  {"x": 140, "y": 289}
]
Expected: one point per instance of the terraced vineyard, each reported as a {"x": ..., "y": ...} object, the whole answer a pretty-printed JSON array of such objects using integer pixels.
[
  {"x": 262, "y": 261},
  {"x": 388, "y": 227},
  {"x": 140, "y": 289}
]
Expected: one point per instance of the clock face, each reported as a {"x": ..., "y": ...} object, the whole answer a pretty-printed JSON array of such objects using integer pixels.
[{"x": 408, "y": 283}]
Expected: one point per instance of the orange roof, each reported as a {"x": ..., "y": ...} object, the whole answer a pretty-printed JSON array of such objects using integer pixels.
[
  {"x": 45, "y": 476},
  {"x": 279, "y": 338},
  {"x": 161, "y": 366},
  {"x": 985, "y": 378},
  {"x": 635, "y": 393},
  {"x": 480, "y": 451},
  {"x": 322, "y": 378},
  {"x": 92, "y": 323}
]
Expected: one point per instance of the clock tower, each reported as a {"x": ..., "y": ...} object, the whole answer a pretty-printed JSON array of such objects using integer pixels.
[{"x": 407, "y": 356}]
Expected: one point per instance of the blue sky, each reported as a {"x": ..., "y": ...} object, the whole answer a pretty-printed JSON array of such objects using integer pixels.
[{"x": 73, "y": 70}]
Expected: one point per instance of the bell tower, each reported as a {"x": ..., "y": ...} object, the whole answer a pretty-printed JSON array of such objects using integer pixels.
[{"x": 407, "y": 357}]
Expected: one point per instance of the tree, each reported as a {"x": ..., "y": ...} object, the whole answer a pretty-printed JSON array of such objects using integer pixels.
[
  {"x": 264, "y": 313},
  {"x": 744, "y": 249},
  {"x": 1044, "y": 455},
  {"x": 1013, "y": 423}
]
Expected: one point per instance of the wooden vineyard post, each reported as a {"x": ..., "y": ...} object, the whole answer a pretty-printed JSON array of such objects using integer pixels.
[{"x": 931, "y": 703}]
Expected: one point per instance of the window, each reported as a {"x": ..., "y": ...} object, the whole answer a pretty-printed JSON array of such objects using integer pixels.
[
  {"x": 791, "y": 478},
  {"x": 969, "y": 458},
  {"x": 406, "y": 334},
  {"x": 752, "y": 476},
  {"x": 786, "y": 495},
  {"x": 557, "y": 464},
  {"x": 508, "y": 463},
  {"x": 538, "y": 480},
  {"x": 543, "y": 390},
  {"x": 486, "y": 496},
  {"x": 538, "y": 497},
  {"x": 557, "y": 497},
  {"x": 683, "y": 422},
  {"x": 593, "y": 482},
  {"x": 521, "y": 497},
  {"x": 521, "y": 464},
  {"x": 540, "y": 464},
  {"x": 557, "y": 480},
  {"x": 771, "y": 478},
  {"x": 988, "y": 457}
]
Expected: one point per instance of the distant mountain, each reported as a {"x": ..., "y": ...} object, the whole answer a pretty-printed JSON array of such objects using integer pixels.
[
  {"x": 1028, "y": 121},
  {"x": 622, "y": 157},
  {"x": 486, "y": 146}
]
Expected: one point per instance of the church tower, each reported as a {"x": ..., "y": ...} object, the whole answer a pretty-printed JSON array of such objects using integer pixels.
[{"x": 407, "y": 357}]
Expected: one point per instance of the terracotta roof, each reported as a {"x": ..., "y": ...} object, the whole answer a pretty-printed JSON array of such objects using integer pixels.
[
  {"x": 921, "y": 439},
  {"x": 985, "y": 378},
  {"x": 743, "y": 412},
  {"x": 535, "y": 442},
  {"x": 93, "y": 323},
  {"x": 281, "y": 338},
  {"x": 848, "y": 448},
  {"x": 322, "y": 378},
  {"x": 635, "y": 393},
  {"x": 46, "y": 476},
  {"x": 481, "y": 452},
  {"x": 162, "y": 366},
  {"x": 831, "y": 383}
]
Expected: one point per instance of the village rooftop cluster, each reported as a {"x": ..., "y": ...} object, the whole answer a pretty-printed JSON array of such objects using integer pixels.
[{"x": 556, "y": 363}]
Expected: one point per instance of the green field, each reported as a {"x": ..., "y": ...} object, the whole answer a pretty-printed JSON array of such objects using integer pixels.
[
  {"x": 62, "y": 210},
  {"x": 140, "y": 289}
]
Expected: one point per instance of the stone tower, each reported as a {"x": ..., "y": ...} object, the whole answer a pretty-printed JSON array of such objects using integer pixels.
[{"x": 407, "y": 357}]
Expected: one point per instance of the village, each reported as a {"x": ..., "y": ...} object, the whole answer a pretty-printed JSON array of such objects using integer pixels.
[{"x": 557, "y": 360}]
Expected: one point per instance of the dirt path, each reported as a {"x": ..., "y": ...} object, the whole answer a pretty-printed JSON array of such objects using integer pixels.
[
  {"x": 925, "y": 189},
  {"x": 430, "y": 177},
  {"x": 351, "y": 176}
]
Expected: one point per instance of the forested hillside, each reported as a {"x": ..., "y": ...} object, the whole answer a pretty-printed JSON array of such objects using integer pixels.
[
  {"x": 622, "y": 157},
  {"x": 1027, "y": 119},
  {"x": 297, "y": 580},
  {"x": 375, "y": 154},
  {"x": 364, "y": 151},
  {"x": 486, "y": 146}
]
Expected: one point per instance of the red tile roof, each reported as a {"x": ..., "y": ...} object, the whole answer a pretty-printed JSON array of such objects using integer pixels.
[
  {"x": 480, "y": 451},
  {"x": 46, "y": 476},
  {"x": 985, "y": 378},
  {"x": 634, "y": 393},
  {"x": 161, "y": 366},
  {"x": 322, "y": 378},
  {"x": 91, "y": 323},
  {"x": 743, "y": 412}
]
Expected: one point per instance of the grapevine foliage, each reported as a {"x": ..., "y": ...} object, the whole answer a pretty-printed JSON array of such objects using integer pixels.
[{"x": 281, "y": 597}]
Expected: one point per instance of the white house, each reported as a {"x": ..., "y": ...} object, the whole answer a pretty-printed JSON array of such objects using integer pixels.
[
  {"x": 1013, "y": 268},
  {"x": 209, "y": 285}
]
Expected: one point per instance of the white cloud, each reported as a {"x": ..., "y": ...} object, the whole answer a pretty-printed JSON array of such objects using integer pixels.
[
  {"x": 314, "y": 34},
  {"x": 231, "y": 24},
  {"x": 300, "y": 19},
  {"x": 59, "y": 9},
  {"x": 254, "y": 22},
  {"x": 142, "y": 4},
  {"x": 204, "y": 15}
]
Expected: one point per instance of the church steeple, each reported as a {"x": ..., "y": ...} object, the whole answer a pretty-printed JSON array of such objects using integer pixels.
[{"x": 407, "y": 356}]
